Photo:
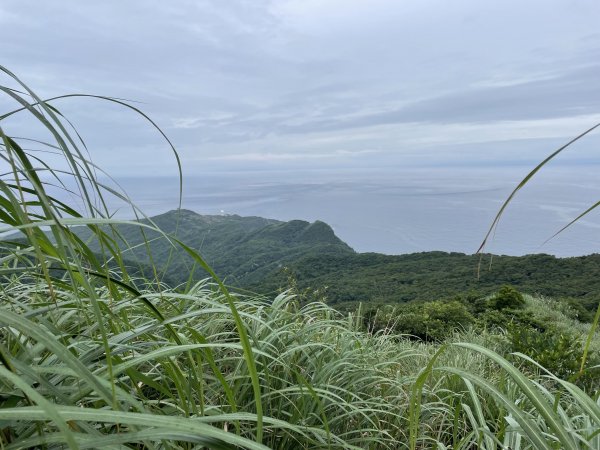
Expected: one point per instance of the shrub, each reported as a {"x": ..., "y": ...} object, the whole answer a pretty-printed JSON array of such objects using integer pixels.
[
  {"x": 431, "y": 321},
  {"x": 558, "y": 351},
  {"x": 507, "y": 298}
]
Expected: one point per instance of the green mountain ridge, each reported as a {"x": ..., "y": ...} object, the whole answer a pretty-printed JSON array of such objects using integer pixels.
[
  {"x": 264, "y": 255},
  {"x": 241, "y": 250},
  {"x": 385, "y": 279}
]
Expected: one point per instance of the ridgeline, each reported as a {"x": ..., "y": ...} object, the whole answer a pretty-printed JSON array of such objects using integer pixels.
[{"x": 263, "y": 255}]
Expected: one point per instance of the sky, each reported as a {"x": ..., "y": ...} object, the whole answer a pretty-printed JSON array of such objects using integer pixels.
[
  {"x": 292, "y": 85},
  {"x": 395, "y": 96}
]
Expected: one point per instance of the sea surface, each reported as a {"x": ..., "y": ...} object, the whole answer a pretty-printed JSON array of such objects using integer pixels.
[{"x": 400, "y": 211}]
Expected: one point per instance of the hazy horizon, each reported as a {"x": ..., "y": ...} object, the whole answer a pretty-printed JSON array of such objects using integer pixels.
[
  {"x": 324, "y": 101},
  {"x": 402, "y": 212}
]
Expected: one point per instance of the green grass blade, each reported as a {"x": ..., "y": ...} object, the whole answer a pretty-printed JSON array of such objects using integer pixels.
[
  {"x": 542, "y": 406},
  {"x": 525, "y": 180},
  {"x": 415, "y": 399},
  {"x": 181, "y": 428}
]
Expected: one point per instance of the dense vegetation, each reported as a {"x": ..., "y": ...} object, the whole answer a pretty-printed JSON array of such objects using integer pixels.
[
  {"x": 383, "y": 279},
  {"x": 241, "y": 250},
  {"x": 264, "y": 255},
  {"x": 549, "y": 331},
  {"x": 91, "y": 357}
]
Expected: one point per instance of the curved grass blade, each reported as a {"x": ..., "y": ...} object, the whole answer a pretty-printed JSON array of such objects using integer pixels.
[
  {"x": 524, "y": 181},
  {"x": 527, "y": 424},
  {"x": 182, "y": 427},
  {"x": 541, "y": 404},
  {"x": 248, "y": 351},
  {"x": 415, "y": 398},
  {"x": 50, "y": 410}
]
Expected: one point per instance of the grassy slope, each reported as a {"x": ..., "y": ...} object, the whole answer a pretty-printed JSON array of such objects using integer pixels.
[{"x": 325, "y": 383}]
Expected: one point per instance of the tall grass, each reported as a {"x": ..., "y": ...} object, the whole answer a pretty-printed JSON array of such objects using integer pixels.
[
  {"x": 91, "y": 357},
  {"x": 527, "y": 179}
]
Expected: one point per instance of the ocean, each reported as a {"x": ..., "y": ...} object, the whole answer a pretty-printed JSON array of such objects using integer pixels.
[{"x": 400, "y": 211}]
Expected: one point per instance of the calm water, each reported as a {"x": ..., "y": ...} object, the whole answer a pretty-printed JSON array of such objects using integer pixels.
[{"x": 397, "y": 212}]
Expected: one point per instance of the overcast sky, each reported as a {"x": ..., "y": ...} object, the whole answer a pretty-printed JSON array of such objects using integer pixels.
[{"x": 300, "y": 84}]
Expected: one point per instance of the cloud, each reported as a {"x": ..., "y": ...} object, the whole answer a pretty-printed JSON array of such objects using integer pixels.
[
  {"x": 212, "y": 118},
  {"x": 296, "y": 156},
  {"x": 274, "y": 79}
]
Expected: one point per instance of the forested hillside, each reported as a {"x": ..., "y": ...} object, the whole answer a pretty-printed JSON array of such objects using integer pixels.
[
  {"x": 264, "y": 255},
  {"x": 241, "y": 250},
  {"x": 372, "y": 277}
]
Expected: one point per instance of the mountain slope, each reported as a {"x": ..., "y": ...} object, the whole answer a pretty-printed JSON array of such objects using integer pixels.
[
  {"x": 241, "y": 250},
  {"x": 252, "y": 252},
  {"x": 372, "y": 277}
]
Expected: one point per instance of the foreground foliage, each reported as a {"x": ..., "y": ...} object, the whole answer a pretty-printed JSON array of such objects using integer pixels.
[
  {"x": 324, "y": 382},
  {"x": 182, "y": 381},
  {"x": 543, "y": 329},
  {"x": 92, "y": 357}
]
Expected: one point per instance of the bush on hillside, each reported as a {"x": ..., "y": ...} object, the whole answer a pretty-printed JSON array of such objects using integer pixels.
[
  {"x": 507, "y": 298},
  {"x": 476, "y": 302},
  {"x": 558, "y": 351},
  {"x": 576, "y": 309},
  {"x": 431, "y": 321}
]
